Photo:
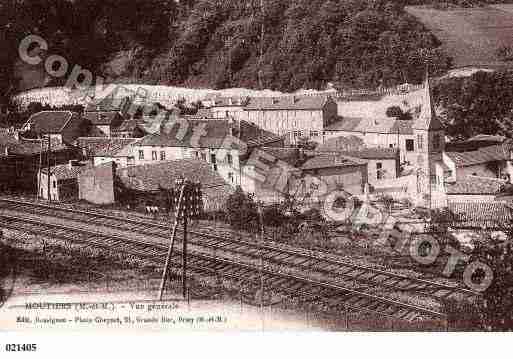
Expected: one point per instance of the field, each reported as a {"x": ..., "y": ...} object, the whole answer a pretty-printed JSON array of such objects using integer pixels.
[{"x": 471, "y": 36}]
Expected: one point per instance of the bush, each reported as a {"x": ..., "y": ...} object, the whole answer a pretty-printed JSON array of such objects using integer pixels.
[
  {"x": 241, "y": 211},
  {"x": 274, "y": 215}
]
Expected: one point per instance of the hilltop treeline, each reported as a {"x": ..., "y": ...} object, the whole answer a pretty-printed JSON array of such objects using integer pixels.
[
  {"x": 481, "y": 103},
  {"x": 217, "y": 43}
]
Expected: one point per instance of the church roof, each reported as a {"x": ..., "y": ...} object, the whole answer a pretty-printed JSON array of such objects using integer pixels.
[{"x": 427, "y": 119}]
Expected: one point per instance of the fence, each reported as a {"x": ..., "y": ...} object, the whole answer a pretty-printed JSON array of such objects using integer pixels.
[{"x": 168, "y": 96}]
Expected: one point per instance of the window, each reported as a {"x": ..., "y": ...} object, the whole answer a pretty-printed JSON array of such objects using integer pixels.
[
  {"x": 229, "y": 158},
  {"x": 410, "y": 145},
  {"x": 420, "y": 141},
  {"x": 230, "y": 176},
  {"x": 379, "y": 170},
  {"x": 141, "y": 154},
  {"x": 203, "y": 156},
  {"x": 54, "y": 184},
  {"x": 436, "y": 141},
  {"x": 154, "y": 155},
  {"x": 197, "y": 154},
  {"x": 314, "y": 133},
  {"x": 162, "y": 155},
  {"x": 391, "y": 145}
]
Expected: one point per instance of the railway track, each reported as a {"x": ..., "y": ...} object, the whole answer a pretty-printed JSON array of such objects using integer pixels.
[
  {"x": 368, "y": 278},
  {"x": 336, "y": 297}
]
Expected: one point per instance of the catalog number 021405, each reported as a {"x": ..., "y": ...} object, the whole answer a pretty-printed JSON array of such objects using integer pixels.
[{"x": 20, "y": 347}]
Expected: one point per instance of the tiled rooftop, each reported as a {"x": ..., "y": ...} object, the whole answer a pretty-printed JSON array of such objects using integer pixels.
[
  {"x": 286, "y": 103},
  {"x": 64, "y": 172},
  {"x": 162, "y": 175},
  {"x": 499, "y": 152},
  {"x": 372, "y": 125},
  {"x": 474, "y": 185},
  {"x": 51, "y": 121},
  {"x": 214, "y": 135},
  {"x": 320, "y": 160},
  {"x": 481, "y": 215},
  {"x": 103, "y": 146}
]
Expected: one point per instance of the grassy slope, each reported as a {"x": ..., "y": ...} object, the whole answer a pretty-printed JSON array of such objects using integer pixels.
[{"x": 471, "y": 36}]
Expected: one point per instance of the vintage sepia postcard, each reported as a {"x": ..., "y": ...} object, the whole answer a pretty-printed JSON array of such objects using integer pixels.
[{"x": 255, "y": 165}]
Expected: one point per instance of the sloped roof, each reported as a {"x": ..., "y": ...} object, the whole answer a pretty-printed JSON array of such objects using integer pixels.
[
  {"x": 64, "y": 172},
  {"x": 103, "y": 146},
  {"x": 25, "y": 147},
  {"x": 128, "y": 125},
  {"x": 481, "y": 215},
  {"x": 213, "y": 135},
  {"x": 373, "y": 153},
  {"x": 427, "y": 119},
  {"x": 202, "y": 113},
  {"x": 162, "y": 175},
  {"x": 488, "y": 138},
  {"x": 372, "y": 125},
  {"x": 342, "y": 143},
  {"x": 108, "y": 104},
  {"x": 330, "y": 159},
  {"x": 101, "y": 117},
  {"x": 286, "y": 103},
  {"x": 482, "y": 155},
  {"x": 473, "y": 185},
  {"x": 51, "y": 121},
  {"x": 288, "y": 155}
]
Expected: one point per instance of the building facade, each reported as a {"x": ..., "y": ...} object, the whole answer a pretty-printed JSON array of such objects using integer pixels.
[{"x": 293, "y": 117}]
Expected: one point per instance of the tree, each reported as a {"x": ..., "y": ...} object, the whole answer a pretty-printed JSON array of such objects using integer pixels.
[
  {"x": 493, "y": 309},
  {"x": 397, "y": 112},
  {"x": 306, "y": 144},
  {"x": 241, "y": 210},
  {"x": 496, "y": 306}
]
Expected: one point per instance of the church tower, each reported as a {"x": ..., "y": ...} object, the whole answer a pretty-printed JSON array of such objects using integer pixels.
[{"x": 430, "y": 143}]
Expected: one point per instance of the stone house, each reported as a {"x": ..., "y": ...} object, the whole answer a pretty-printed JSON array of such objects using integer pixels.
[
  {"x": 494, "y": 161},
  {"x": 106, "y": 115},
  {"x": 221, "y": 143},
  {"x": 100, "y": 150},
  {"x": 272, "y": 174},
  {"x": 293, "y": 117},
  {"x": 60, "y": 183},
  {"x": 60, "y": 126},
  {"x": 21, "y": 159},
  {"x": 145, "y": 184},
  {"x": 225, "y": 107}
]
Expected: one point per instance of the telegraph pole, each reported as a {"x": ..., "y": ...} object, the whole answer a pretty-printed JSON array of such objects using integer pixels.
[
  {"x": 173, "y": 236},
  {"x": 189, "y": 203},
  {"x": 48, "y": 167}
]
